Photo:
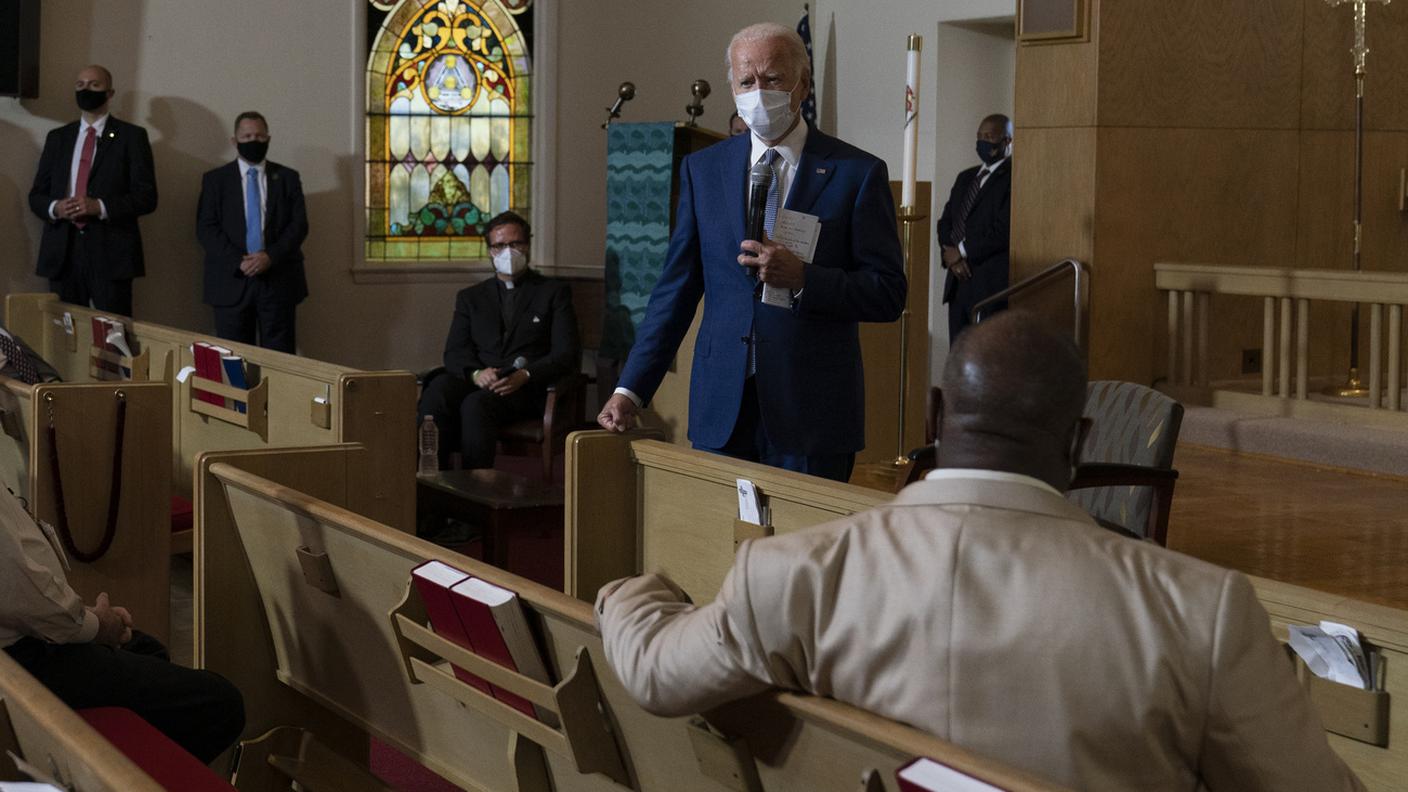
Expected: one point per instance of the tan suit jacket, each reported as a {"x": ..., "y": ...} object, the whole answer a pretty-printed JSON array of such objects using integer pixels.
[{"x": 999, "y": 617}]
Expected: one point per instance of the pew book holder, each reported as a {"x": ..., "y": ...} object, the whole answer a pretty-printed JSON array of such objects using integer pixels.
[
  {"x": 744, "y": 530},
  {"x": 584, "y": 737},
  {"x": 140, "y": 364},
  {"x": 1351, "y": 712},
  {"x": 255, "y": 418},
  {"x": 725, "y": 759}
]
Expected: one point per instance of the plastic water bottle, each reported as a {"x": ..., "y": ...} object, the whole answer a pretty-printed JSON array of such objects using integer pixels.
[{"x": 429, "y": 447}]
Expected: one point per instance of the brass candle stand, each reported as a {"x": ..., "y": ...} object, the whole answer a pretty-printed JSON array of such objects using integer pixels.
[{"x": 909, "y": 217}]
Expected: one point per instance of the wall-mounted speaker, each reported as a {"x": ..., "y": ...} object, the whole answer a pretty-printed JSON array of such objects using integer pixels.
[{"x": 19, "y": 48}]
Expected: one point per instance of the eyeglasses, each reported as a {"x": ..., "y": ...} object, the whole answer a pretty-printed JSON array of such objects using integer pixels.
[{"x": 520, "y": 245}]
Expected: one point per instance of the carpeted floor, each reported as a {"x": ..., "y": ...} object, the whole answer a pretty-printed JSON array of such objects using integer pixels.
[{"x": 1375, "y": 450}]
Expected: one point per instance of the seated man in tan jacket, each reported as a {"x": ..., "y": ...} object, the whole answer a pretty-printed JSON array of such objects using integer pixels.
[{"x": 983, "y": 607}]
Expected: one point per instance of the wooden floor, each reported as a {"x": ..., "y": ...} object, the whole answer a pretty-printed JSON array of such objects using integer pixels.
[{"x": 1329, "y": 529}]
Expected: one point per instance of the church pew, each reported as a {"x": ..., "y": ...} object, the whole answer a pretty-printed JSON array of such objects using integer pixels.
[
  {"x": 48, "y": 736},
  {"x": 678, "y": 517},
  {"x": 84, "y": 416},
  {"x": 376, "y": 408},
  {"x": 324, "y": 626},
  {"x": 633, "y": 502}
]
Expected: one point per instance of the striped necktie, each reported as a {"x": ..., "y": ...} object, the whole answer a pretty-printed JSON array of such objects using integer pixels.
[
  {"x": 960, "y": 221},
  {"x": 770, "y": 208}
]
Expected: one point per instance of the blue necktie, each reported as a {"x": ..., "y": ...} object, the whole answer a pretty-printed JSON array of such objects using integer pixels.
[{"x": 253, "y": 223}]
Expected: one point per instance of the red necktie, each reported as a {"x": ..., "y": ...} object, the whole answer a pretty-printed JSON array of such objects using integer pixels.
[{"x": 85, "y": 165}]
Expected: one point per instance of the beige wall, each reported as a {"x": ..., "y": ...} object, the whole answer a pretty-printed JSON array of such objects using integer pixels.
[{"x": 184, "y": 68}]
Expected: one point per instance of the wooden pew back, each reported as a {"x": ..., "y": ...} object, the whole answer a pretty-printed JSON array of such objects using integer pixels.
[
  {"x": 376, "y": 409},
  {"x": 635, "y": 503},
  {"x": 84, "y": 416},
  {"x": 52, "y": 738},
  {"x": 678, "y": 518},
  {"x": 337, "y": 646}
]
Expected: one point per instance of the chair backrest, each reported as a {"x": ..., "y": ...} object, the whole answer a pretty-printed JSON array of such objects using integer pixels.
[{"x": 1130, "y": 425}]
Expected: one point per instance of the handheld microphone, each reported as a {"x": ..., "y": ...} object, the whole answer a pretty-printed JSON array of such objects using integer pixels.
[
  {"x": 759, "y": 180},
  {"x": 518, "y": 364}
]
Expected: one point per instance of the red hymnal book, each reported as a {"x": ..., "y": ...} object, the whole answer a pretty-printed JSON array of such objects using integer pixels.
[
  {"x": 208, "y": 366},
  {"x": 927, "y": 775},
  {"x": 494, "y": 620},
  {"x": 100, "y": 341},
  {"x": 434, "y": 580}
]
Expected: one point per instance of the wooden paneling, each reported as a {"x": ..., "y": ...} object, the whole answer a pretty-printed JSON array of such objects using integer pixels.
[
  {"x": 880, "y": 351},
  {"x": 1200, "y": 63},
  {"x": 1065, "y": 93},
  {"x": 1216, "y": 195},
  {"x": 1328, "y": 67}
]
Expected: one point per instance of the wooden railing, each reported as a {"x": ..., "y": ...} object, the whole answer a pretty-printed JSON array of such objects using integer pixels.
[{"x": 1284, "y": 293}]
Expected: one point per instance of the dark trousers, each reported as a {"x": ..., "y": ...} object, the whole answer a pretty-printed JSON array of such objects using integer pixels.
[
  {"x": 469, "y": 417},
  {"x": 84, "y": 280},
  {"x": 263, "y": 310},
  {"x": 749, "y": 441},
  {"x": 198, "y": 710}
]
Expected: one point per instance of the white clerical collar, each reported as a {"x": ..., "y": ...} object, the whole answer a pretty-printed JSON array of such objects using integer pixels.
[
  {"x": 950, "y": 474},
  {"x": 790, "y": 147}
]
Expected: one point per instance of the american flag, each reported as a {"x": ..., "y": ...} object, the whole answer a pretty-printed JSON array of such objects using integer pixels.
[{"x": 804, "y": 29}]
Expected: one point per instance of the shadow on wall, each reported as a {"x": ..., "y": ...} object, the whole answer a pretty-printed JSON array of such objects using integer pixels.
[
  {"x": 22, "y": 242},
  {"x": 343, "y": 322},
  {"x": 171, "y": 292}
]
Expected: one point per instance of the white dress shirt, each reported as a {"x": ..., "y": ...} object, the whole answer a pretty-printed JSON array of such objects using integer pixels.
[
  {"x": 263, "y": 191},
  {"x": 789, "y": 151},
  {"x": 978, "y": 474},
  {"x": 35, "y": 597},
  {"x": 98, "y": 126}
]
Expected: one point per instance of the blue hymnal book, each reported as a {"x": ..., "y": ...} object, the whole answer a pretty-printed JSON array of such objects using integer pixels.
[{"x": 234, "y": 377}]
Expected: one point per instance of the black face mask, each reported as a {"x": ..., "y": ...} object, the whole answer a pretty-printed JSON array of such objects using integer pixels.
[
  {"x": 989, "y": 152},
  {"x": 90, "y": 100},
  {"x": 253, "y": 151}
]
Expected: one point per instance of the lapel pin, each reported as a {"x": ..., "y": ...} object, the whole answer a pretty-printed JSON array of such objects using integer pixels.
[
  {"x": 536, "y": 320},
  {"x": 112, "y": 135}
]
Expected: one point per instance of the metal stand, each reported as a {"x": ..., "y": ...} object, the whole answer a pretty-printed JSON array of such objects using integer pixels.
[
  {"x": 1352, "y": 385},
  {"x": 909, "y": 219}
]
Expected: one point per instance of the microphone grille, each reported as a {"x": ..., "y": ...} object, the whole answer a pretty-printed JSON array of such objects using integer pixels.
[
  {"x": 520, "y": 361},
  {"x": 760, "y": 175}
]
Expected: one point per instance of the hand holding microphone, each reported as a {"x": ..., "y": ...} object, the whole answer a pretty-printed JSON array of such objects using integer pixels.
[{"x": 768, "y": 261}]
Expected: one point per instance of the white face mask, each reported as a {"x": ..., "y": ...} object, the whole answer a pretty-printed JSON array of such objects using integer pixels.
[
  {"x": 510, "y": 261},
  {"x": 768, "y": 113}
]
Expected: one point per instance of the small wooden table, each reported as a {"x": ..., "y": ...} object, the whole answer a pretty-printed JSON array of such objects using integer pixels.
[{"x": 495, "y": 501}]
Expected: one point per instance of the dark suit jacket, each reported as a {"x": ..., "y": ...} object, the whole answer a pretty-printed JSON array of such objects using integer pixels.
[
  {"x": 809, "y": 373},
  {"x": 220, "y": 229},
  {"x": 122, "y": 177},
  {"x": 987, "y": 232},
  {"x": 543, "y": 329}
]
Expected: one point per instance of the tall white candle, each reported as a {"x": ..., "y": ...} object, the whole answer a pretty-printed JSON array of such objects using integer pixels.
[{"x": 911, "y": 119}]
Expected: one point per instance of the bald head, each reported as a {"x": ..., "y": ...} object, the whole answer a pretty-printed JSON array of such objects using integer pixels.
[{"x": 1013, "y": 393}]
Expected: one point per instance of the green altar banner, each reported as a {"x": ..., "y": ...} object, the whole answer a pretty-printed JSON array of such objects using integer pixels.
[{"x": 639, "y": 168}]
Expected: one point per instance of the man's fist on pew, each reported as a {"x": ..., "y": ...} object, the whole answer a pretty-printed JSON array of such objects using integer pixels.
[
  {"x": 618, "y": 415},
  {"x": 114, "y": 623}
]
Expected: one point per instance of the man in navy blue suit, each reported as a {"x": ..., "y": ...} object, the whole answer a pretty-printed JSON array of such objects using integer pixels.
[
  {"x": 780, "y": 381},
  {"x": 251, "y": 221}
]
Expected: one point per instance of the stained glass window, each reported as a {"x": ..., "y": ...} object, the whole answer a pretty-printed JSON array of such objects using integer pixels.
[{"x": 449, "y": 123}]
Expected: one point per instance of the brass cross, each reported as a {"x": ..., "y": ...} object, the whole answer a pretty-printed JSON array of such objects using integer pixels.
[{"x": 1361, "y": 50}]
